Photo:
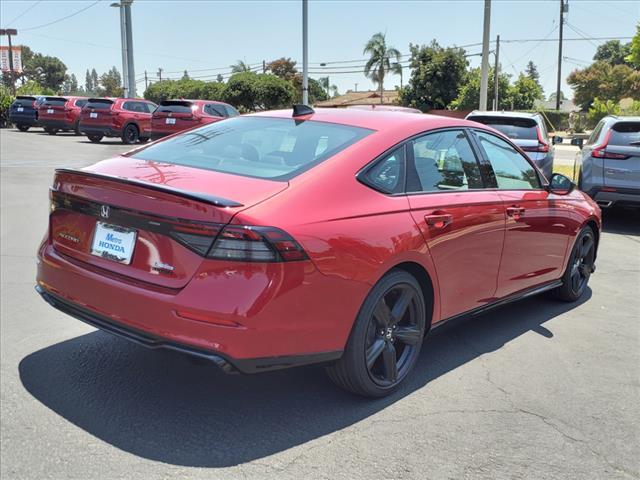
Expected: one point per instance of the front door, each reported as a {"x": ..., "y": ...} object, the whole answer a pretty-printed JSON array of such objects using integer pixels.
[{"x": 461, "y": 222}]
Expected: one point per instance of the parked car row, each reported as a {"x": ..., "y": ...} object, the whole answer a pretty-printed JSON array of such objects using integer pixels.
[{"x": 131, "y": 119}]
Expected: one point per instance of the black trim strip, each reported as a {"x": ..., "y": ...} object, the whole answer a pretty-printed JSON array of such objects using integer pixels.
[
  {"x": 199, "y": 196},
  {"x": 228, "y": 365}
]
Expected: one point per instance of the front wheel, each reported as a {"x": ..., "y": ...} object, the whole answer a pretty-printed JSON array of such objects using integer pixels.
[
  {"x": 22, "y": 128},
  {"x": 51, "y": 131},
  {"x": 130, "y": 134},
  {"x": 95, "y": 138},
  {"x": 386, "y": 338},
  {"x": 579, "y": 268}
]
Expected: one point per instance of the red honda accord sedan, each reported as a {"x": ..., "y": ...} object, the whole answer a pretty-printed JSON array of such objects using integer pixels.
[{"x": 340, "y": 237}]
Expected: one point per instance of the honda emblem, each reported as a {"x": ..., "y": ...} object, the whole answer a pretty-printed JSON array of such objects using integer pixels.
[{"x": 104, "y": 211}]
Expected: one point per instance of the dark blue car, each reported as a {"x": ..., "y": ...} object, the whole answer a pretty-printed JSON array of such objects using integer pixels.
[{"x": 23, "y": 112}]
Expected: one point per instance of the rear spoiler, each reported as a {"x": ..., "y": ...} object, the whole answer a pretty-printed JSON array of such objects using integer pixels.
[{"x": 199, "y": 196}]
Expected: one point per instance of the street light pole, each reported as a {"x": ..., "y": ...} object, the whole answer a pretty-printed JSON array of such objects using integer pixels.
[
  {"x": 130, "y": 68},
  {"x": 484, "y": 68},
  {"x": 123, "y": 42},
  {"x": 564, "y": 7},
  {"x": 496, "y": 77},
  {"x": 305, "y": 59}
]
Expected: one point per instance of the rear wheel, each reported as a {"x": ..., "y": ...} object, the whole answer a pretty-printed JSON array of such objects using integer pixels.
[
  {"x": 580, "y": 267},
  {"x": 22, "y": 128},
  {"x": 143, "y": 139},
  {"x": 386, "y": 338},
  {"x": 76, "y": 128},
  {"x": 95, "y": 138},
  {"x": 130, "y": 134},
  {"x": 51, "y": 131}
]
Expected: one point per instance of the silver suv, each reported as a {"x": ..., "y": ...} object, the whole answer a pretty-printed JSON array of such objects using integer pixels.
[
  {"x": 527, "y": 131},
  {"x": 608, "y": 166}
]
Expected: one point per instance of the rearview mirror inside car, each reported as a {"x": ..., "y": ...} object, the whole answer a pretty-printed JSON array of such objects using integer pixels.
[
  {"x": 560, "y": 184},
  {"x": 577, "y": 142}
]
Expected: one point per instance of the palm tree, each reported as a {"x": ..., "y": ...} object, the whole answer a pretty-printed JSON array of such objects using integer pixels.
[
  {"x": 324, "y": 83},
  {"x": 240, "y": 67},
  {"x": 382, "y": 60}
]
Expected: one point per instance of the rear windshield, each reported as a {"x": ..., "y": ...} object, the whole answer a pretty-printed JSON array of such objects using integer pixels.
[
  {"x": 81, "y": 102},
  {"x": 269, "y": 148},
  {"x": 515, "y": 128},
  {"x": 55, "y": 101},
  {"x": 174, "y": 107},
  {"x": 98, "y": 103},
  {"x": 24, "y": 101},
  {"x": 625, "y": 133}
]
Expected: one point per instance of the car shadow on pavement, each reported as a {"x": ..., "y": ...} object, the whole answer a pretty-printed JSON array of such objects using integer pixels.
[
  {"x": 161, "y": 406},
  {"x": 624, "y": 221}
]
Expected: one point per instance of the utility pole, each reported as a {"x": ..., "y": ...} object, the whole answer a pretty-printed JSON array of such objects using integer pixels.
[
  {"x": 123, "y": 42},
  {"x": 146, "y": 80},
  {"x": 8, "y": 32},
  {"x": 305, "y": 59},
  {"x": 484, "y": 68},
  {"x": 264, "y": 66},
  {"x": 564, "y": 8},
  {"x": 495, "y": 75},
  {"x": 130, "y": 68},
  {"x": 160, "y": 74}
]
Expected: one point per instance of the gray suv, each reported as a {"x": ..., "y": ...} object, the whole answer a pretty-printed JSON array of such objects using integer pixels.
[
  {"x": 608, "y": 167},
  {"x": 527, "y": 131}
]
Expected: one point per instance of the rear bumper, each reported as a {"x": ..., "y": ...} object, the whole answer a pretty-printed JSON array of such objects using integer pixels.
[
  {"x": 621, "y": 197},
  {"x": 20, "y": 119},
  {"x": 282, "y": 312},
  {"x": 59, "y": 124},
  {"x": 105, "y": 131}
]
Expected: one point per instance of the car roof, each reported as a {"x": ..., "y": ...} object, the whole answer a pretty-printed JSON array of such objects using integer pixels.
[
  {"x": 490, "y": 113},
  {"x": 621, "y": 118},
  {"x": 373, "y": 120}
]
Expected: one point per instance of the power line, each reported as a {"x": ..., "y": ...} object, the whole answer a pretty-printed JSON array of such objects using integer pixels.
[
  {"x": 63, "y": 18},
  {"x": 23, "y": 13}
]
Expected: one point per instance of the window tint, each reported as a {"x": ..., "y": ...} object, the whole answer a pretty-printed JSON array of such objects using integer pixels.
[
  {"x": 170, "y": 106},
  {"x": 270, "y": 148},
  {"x": 511, "y": 169},
  {"x": 81, "y": 102},
  {"x": 99, "y": 104},
  {"x": 231, "y": 112},
  {"x": 516, "y": 128},
  {"x": 151, "y": 107},
  {"x": 55, "y": 102},
  {"x": 596, "y": 133},
  {"x": 24, "y": 102},
  {"x": 215, "y": 110},
  {"x": 386, "y": 175},
  {"x": 443, "y": 161},
  {"x": 625, "y": 133}
]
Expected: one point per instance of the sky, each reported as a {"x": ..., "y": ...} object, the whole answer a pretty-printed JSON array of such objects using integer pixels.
[{"x": 206, "y": 37}]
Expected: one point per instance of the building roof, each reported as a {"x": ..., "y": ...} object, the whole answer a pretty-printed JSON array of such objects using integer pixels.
[
  {"x": 369, "y": 97},
  {"x": 565, "y": 105}
]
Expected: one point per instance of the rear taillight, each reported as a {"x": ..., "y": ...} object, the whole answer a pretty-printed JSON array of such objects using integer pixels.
[
  {"x": 542, "y": 147},
  {"x": 601, "y": 150},
  {"x": 256, "y": 244}
]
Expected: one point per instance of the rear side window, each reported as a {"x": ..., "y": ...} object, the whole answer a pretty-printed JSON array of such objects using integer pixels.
[
  {"x": 511, "y": 169},
  {"x": 99, "y": 104},
  {"x": 443, "y": 161},
  {"x": 596, "y": 133},
  {"x": 215, "y": 110},
  {"x": 387, "y": 174},
  {"x": 269, "y": 148},
  {"x": 136, "y": 107},
  {"x": 175, "y": 107},
  {"x": 516, "y": 128},
  {"x": 81, "y": 102},
  {"x": 625, "y": 134},
  {"x": 231, "y": 112},
  {"x": 151, "y": 107}
]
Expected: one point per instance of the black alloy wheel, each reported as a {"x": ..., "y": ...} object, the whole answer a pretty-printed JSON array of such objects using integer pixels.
[
  {"x": 130, "y": 134},
  {"x": 579, "y": 268},
  {"x": 94, "y": 138}
]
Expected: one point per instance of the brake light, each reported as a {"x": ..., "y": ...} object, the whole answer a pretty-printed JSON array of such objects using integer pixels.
[
  {"x": 542, "y": 147},
  {"x": 601, "y": 150},
  {"x": 256, "y": 244}
]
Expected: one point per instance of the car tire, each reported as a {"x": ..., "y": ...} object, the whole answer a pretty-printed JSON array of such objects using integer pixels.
[
  {"x": 51, "y": 131},
  {"x": 76, "y": 128},
  {"x": 579, "y": 267},
  {"x": 95, "y": 138},
  {"x": 22, "y": 128},
  {"x": 130, "y": 134},
  {"x": 143, "y": 139},
  {"x": 386, "y": 338}
]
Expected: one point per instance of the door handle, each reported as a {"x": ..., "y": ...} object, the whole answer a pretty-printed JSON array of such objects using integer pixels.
[
  {"x": 515, "y": 211},
  {"x": 439, "y": 220}
]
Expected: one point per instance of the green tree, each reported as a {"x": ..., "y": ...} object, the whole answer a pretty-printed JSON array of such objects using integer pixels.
[
  {"x": 6, "y": 99},
  {"x": 89, "y": 87},
  {"x": 219, "y": 78},
  {"x": 109, "y": 85},
  {"x": 612, "y": 52},
  {"x": 382, "y": 60},
  {"x": 70, "y": 85},
  {"x": 605, "y": 81},
  {"x": 331, "y": 89},
  {"x": 316, "y": 92},
  {"x": 185, "y": 75},
  {"x": 240, "y": 67},
  {"x": 95, "y": 80},
  {"x": 523, "y": 93},
  {"x": 437, "y": 75},
  {"x": 48, "y": 71},
  {"x": 552, "y": 96},
  {"x": 283, "y": 67},
  {"x": 272, "y": 92},
  {"x": 600, "y": 109},
  {"x": 469, "y": 96},
  {"x": 240, "y": 90},
  {"x": 633, "y": 58},
  {"x": 31, "y": 87}
]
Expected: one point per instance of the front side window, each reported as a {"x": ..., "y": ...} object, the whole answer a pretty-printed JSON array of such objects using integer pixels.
[
  {"x": 387, "y": 174},
  {"x": 443, "y": 161},
  {"x": 262, "y": 147},
  {"x": 511, "y": 169}
]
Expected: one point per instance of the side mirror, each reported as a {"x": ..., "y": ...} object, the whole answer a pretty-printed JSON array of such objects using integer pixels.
[
  {"x": 578, "y": 142},
  {"x": 557, "y": 139},
  {"x": 560, "y": 185}
]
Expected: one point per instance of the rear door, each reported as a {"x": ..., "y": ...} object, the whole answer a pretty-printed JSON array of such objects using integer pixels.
[
  {"x": 461, "y": 221},
  {"x": 538, "y": 224},
  {"x": 622, "y": 156}
]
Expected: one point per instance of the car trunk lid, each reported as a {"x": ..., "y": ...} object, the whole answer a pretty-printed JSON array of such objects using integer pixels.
[
  {"x": 53, "y": 108},
  {"x": 145, "y": 221},
  {"x": 174, "y": 115},
  {"x": 97, "y": 111}
]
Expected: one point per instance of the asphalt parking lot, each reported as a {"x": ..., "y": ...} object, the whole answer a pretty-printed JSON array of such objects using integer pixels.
[{"x": 537, "y": 389}]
